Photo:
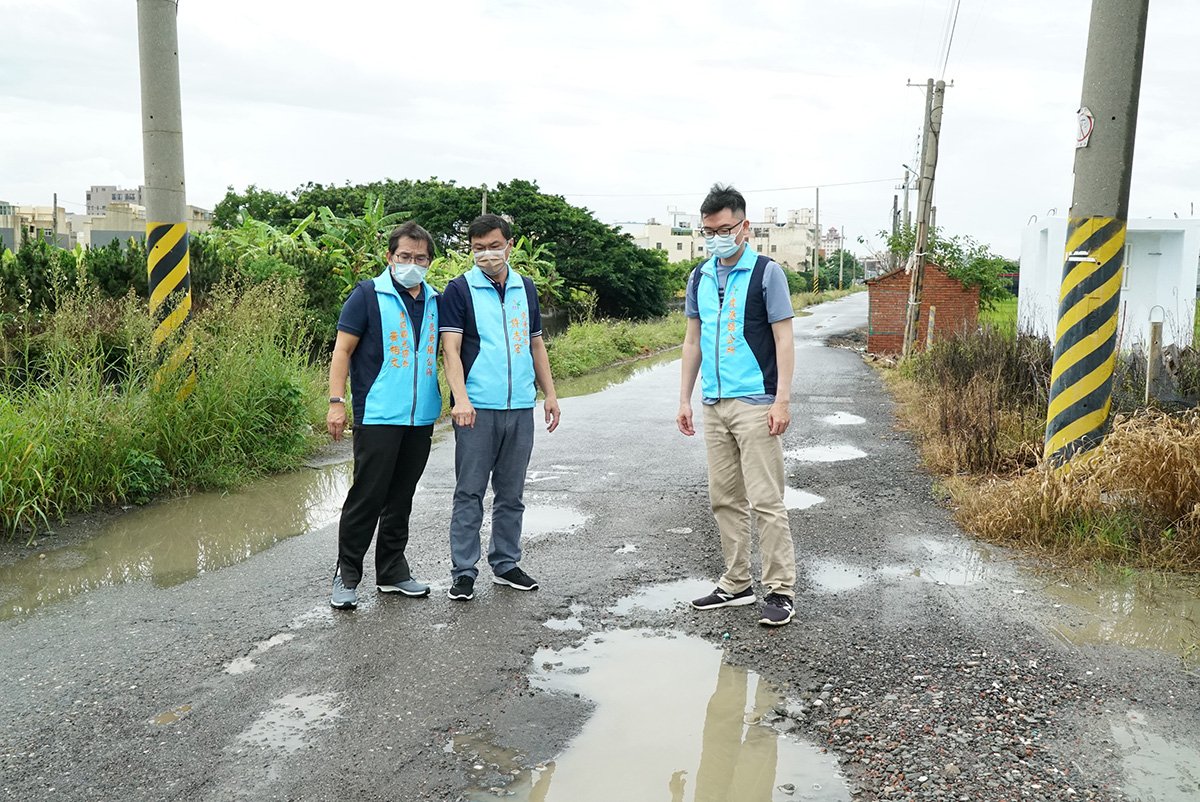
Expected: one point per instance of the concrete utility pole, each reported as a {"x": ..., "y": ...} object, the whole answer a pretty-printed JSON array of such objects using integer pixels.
[
  {"x": 167, "y": 259},
  {"x": 935, "y": 96},
  {"x": 816, "y": 287},
  {"x": 1085, "y": 339},
  {"x": 54, "y": 216}
]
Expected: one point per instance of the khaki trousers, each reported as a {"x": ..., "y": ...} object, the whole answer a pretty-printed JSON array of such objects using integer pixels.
[{"x": 745, "y": 472}]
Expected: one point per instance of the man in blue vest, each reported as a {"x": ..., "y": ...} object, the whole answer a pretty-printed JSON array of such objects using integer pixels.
[
  {"x": 387, "y": 342},
  {"x": 494, "y": 354},
  {"x": 739, "y": 340}
]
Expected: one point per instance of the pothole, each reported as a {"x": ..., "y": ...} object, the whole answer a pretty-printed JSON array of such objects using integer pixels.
[
  {"x": 826, "y": 453},
  {"x": 240, "y": 665},
  {"x": 795, "y": 499},
  {"x": 292, "y": 722},
  {"x": 940, "y": 563},
  {"x": 543, "y": 519},
  {"x": 660, "y": 732},
  {"x": 842, "y": 419},
  {"x": 663, "y": 597}
]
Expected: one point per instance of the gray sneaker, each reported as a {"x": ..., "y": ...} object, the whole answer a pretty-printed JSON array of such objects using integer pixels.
[
  {"x": 409, "y": 587},
  {"x": 344, "y": 598}
]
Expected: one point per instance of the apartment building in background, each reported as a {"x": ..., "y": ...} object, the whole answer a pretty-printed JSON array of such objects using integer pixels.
[{"x": 789, "y": 242}]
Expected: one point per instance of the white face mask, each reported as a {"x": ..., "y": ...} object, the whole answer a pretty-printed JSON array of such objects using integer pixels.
[
  {"x": 490, "y": 262},
  {"x": 408, "y": 276},
  {"x": 722, "y": 245}
]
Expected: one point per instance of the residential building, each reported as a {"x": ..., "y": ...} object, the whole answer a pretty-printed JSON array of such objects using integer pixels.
[
  {"x": 790, "y": 243},
  {"x": 18, "y": 223},
  {"x": 1159, "y": 280},
  {"x": 100, "y": 196}
]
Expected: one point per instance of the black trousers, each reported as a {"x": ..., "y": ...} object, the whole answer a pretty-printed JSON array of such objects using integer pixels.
[{"x": 388, "y": 462}]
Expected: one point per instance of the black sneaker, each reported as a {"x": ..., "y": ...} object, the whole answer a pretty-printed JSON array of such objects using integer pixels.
[
  {"x": 463, "y": 589},
  {"x": 721, "y": 598},
  {"x": 777, "y": 610},
  {"x": 516, "y": 578}
]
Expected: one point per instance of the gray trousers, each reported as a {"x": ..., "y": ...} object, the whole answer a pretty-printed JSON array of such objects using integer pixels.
[{"x": 497, "y": 448}]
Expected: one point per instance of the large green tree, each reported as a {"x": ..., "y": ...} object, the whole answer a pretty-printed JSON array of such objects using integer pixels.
[{"x": 628, "y": 281}]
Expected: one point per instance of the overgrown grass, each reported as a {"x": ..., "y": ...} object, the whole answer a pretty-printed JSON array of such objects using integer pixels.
[
  {"x": 83, "y": 422},
  {"x": 1002, "y": 317},
  {"x": 977, "y": 406}
]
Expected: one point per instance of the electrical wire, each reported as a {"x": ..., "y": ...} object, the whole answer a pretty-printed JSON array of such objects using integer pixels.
[
  {"x": 950, "y": 39},
  {"x": 743, "y": 191}
]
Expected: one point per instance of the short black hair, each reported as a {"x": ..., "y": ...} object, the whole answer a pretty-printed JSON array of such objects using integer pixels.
[
  {"x": 485, "y": 224},
  {"x": 412, "y": 231},
  {"x": 723, "y": 196}
]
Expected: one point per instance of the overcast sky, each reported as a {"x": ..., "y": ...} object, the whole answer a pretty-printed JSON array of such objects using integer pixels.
[{"x": 624, "y": 106}]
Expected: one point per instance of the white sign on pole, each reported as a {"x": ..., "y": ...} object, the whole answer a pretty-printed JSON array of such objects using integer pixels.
[{"x": 1086, "y": 124}]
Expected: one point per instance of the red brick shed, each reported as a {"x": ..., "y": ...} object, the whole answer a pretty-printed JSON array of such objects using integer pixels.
[{"x": 957, "y": 308}]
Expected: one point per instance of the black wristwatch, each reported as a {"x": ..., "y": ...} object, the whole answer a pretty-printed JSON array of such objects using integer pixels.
[{"x": 336, "y": 399}]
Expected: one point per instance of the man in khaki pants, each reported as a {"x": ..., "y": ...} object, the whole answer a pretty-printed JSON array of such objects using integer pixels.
[{"x": 739, "y": 340}]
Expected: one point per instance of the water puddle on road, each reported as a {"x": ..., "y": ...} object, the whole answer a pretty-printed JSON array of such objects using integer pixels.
[
  {"x": 600, "y": 380},
  {"x": 174, "y": 541},
  {"x": 842, "y": 419},
  {"x": 940, "y": 562},
  {"x": 1139, "y": 614},
  {"x": 545, "y": 519},
  {"x": 663, "y": 597},
  {"x": 171, "y": 716},
  {"x": 292, "y": 722},
  {"x": 659, "y": 732},
  {"x": 1156, "y": 769},
  {"x": 240, "y": 665},
  {"x": 795, "y": 499},
  {"x": 825, "y": 453}
]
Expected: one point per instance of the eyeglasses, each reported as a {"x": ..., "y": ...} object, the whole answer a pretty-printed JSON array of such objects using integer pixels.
[
  {"x": 723, "y": 231},
  {"x": 406, "y": 258}
]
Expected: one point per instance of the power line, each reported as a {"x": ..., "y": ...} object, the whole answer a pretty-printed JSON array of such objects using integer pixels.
[
  {"x": 950, "y": 39},
  {"x": 743, "y": 191}
]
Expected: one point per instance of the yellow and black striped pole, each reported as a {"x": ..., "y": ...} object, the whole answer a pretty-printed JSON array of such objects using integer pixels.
[
  {"x": 1085, "y": 339},
  {"x": 167, "y": 260}
]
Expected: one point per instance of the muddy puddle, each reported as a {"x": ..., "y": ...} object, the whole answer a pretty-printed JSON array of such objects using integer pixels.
[
  {"x": 659, "y": 733},
  {"x": 936, "y": 561},
  {"x": 825, "y": 453},
  {"x": 1157, "y": 769},
  {"x": 540, "y": 519},
  {"x": 1143, "y": 615},
  {"x": 171, "y": 542},
  {"x": 599, "y": 380}
]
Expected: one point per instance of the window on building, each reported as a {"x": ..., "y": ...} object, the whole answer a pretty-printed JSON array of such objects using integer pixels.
[
  {"x": 774, "y": 248},
  {"x": 679, "y": 246},
  {"x": 658, "y": 246}
]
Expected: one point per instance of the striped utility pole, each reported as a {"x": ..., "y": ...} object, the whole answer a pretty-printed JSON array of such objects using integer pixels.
[
  {"x": 166, "y": 222},
  {"x": 1086, "y": 336}
]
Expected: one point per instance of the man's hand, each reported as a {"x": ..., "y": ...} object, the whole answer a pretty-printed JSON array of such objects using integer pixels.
[
  {"x": 778, "y": 418},
  {"x": 552, "y": 413},
  {"x": 335, "y": 421},
  {"x": 684, "y": 419},
  {"x": 463, "y": 414}
]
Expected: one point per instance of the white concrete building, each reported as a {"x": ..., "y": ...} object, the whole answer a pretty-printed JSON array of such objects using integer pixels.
[
  {"x": 99, "y": 196},
  {"x": 1160, "y": 277},
  {"x": 790, "y": 244}
]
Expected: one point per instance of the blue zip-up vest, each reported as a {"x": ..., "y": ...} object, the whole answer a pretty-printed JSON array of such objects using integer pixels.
[
  {"x": 737, "y": 347},
  {"x": 502, "y": 375},
  {"x": 405, "y": 393}
]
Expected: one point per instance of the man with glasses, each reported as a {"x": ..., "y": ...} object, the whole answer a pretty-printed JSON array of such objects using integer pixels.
[
  {"x": 492, "y": 344},
  {"x": 387, "y": 342},
  {"x": 739, "y": 341}
]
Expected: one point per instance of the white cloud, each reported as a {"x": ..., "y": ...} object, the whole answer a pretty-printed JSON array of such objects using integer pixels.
[{"x": 623, "y": 98}]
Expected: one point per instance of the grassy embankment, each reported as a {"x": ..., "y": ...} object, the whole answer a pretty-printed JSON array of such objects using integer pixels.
[
  {"x": 83, "y": 424},
  {"x": 977, "y": 407}
]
